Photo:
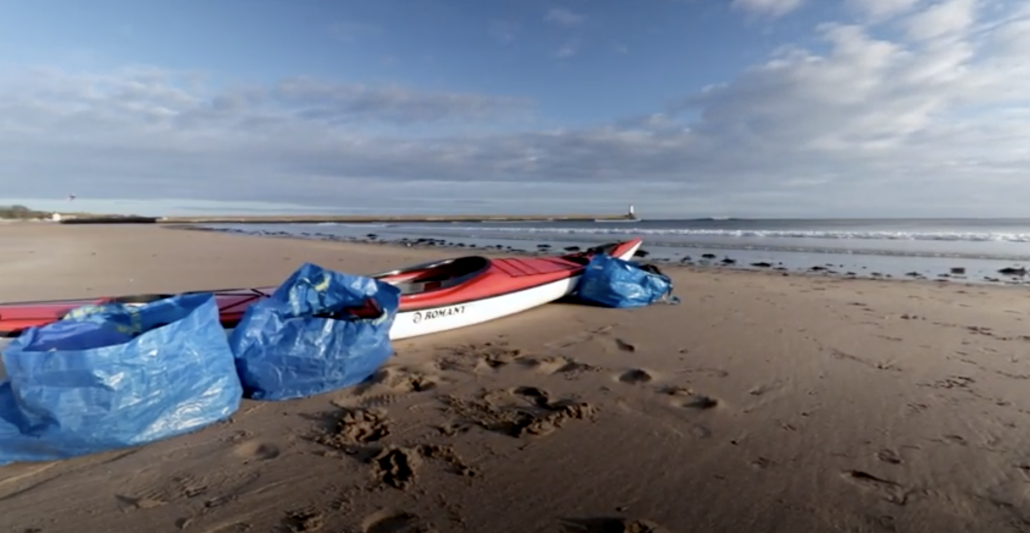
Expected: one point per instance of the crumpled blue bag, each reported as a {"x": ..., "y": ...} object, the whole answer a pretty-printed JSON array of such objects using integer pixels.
[
  {"x": 115, "y": 375},
  {"x": 612, "y": 282},
  {"x": 300, "y": 341}
]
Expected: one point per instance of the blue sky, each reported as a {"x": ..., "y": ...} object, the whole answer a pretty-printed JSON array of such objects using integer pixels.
[{"x": 684, "y": 107}]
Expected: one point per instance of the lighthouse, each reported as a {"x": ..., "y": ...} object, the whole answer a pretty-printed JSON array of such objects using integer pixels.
[{"x": 632, "y": 214}]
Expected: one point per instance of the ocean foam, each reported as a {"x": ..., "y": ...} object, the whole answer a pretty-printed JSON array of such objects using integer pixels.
[{"x": 790, "y": 234}]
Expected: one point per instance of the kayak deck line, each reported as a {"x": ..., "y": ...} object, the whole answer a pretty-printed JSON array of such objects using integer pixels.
[{"x": 517, "y": 267}]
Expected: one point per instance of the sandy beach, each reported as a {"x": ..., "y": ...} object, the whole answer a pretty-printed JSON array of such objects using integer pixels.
[{"x": 762, "y": 403}]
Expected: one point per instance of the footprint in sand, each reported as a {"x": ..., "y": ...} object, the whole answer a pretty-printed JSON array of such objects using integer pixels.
[
  {"x": 708, "y": 372},
  {"x": 635, "y": 376},
  {"x": 764, "y": 388},
  {"x": 537, "y": 396},
  {"x": 625, "y": 346},
  {"x": 253, "y": 449},
  {"x": 762, "y": 463},
  {"x": 700, "y": 432},
  {"x": 542, "y": 416},
  {"x": 891, "y": 491},
  {"x": 479, "y": 357},
  {"x": 399, "y": 379},
  {"x": 304, "y": 520},
  {"x": 610, "y": 525},
  {"x": 701, "y": 402},
  {"x": 499, "y": 357},
  {"x": 888, "y": 455},
  {"x": 396, "y": 466},
  {"x": 387, "y": 521},
  {"x": 356, "y": 426},
  {"x": 686, "y": 397},
  {"x": 557, "y": 365},
  {"x": 146, "y": 501}
]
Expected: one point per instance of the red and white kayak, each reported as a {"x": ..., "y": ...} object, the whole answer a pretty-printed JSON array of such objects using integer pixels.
[{"x": 436, "y": 296}]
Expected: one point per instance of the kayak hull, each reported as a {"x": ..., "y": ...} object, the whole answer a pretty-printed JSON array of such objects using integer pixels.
[
  {"x": 530, "y": 291},
  {"x": 491, "y": 289},
  {"x": 414, "y": 323}
]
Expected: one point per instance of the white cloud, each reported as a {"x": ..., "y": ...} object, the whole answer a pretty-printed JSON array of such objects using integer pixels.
[
  {"x": 926, "y": 123},
  {"x": 880, "y": 9},
  {"x": 503, "y": 31},
  {"x": 773, "y": 8},
  {"x": 942, "y": 19},
  {"x": 569, "y": 49},
  {"x": 568, "y": 19},
  {"x": 355, "y": 102},
  {"x": 564, "y": 17}
]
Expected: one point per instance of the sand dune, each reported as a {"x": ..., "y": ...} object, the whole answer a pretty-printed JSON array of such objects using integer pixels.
[{"x": 761, "y": 403}]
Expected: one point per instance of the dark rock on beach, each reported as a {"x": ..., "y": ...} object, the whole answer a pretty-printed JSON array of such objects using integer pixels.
[
  {"x": 1013, "y": 271},
  {"x": 572, "y": 248},
  {"x": 958, "y": 270},
  {"x": 762, "y": 264}
]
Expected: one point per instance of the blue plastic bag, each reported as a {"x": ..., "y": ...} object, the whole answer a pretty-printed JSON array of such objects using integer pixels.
[
  {"x": 301, "y": 342},
  {"x": 612, "y": 282},
  {"x": 114, "y": 375}
]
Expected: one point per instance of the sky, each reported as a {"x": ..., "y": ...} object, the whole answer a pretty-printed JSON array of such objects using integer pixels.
[{"x": 685, "y": 108}]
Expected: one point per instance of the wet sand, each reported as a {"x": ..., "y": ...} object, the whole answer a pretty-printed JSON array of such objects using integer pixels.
[{"x": 762, "y": 402}]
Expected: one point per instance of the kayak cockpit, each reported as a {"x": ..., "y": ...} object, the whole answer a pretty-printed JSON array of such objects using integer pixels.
[{"x": 436, "y": 275}]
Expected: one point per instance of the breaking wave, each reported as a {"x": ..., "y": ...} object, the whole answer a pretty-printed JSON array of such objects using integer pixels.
[{"x": 774, "y": 234}]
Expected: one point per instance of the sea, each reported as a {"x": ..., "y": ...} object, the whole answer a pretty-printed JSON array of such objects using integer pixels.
[{"x": 965, "y": 250}]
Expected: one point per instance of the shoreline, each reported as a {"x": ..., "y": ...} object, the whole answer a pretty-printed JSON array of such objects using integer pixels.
[
  {"x": 344, "y": 219},
  {"x": 700, "y": 263}
]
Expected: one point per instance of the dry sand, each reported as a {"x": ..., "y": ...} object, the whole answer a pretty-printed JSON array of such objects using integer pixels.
[{"x": 761, "y": 403}]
